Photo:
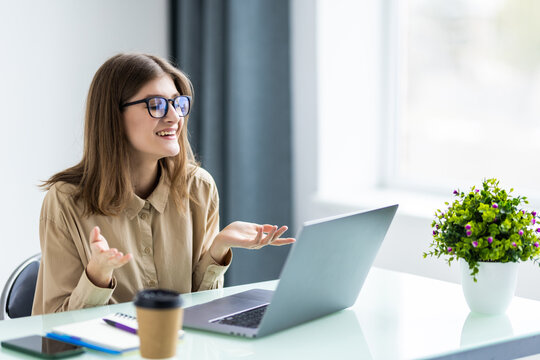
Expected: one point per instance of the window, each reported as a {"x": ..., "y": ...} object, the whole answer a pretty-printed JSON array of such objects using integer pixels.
[
  {"x": 469, "y": 90},
  {"x": 427, "y": 95}
]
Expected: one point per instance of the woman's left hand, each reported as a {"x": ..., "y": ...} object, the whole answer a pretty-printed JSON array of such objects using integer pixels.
[{"x": 248, "y": 236}]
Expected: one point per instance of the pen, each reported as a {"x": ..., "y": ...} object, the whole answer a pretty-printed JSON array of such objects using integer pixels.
[
  {"x": 78, "y": 341},
  {"x": 120, "y": 326}
]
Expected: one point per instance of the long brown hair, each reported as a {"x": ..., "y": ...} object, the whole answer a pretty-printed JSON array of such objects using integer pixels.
[{"x": 102, "y": 177}]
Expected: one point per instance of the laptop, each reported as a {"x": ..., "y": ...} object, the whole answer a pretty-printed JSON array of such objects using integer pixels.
[{"x": 324, "y": 273}]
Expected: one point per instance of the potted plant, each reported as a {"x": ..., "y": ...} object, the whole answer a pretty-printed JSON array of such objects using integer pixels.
[{"x": 490, "y": 232}]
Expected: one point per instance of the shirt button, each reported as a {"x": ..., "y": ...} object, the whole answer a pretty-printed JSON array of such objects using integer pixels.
[
  {"x": 152, "y": 283},
  {"x": 147, "y": 250},
  {"x": 144, "y": 216}
]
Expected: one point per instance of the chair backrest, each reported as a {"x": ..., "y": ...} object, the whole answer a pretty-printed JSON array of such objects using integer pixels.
[{"x": 18, "y": 294}]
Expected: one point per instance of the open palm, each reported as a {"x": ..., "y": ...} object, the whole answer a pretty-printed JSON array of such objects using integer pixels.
[
  {"x": 103, "y": 260},
  {"x": 252, "y": 236}
]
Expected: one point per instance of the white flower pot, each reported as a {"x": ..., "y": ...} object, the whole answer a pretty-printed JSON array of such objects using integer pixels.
[{"x": 494, "y": 289}]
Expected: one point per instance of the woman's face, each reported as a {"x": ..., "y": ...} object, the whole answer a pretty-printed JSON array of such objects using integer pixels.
[{"x": 152, "y": 139}]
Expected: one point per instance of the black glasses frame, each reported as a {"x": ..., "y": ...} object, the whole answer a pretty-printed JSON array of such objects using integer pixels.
[{"x": 167, "y": 101}]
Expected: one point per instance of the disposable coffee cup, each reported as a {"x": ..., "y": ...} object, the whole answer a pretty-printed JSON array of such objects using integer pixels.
[{"x": 159, "y": 316}]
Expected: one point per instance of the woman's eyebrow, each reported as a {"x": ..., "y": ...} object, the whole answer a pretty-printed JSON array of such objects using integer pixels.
[{"x": 161, "y": 95}]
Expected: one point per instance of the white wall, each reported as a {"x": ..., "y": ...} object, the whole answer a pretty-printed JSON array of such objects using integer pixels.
[{"x": 49, "y": 52}]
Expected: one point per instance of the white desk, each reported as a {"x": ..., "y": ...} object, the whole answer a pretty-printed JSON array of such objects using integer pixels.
[{"x": 396, "y": 316}]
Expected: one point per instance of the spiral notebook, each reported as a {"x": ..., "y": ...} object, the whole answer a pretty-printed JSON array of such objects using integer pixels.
[{"x": 114, "y": 333}]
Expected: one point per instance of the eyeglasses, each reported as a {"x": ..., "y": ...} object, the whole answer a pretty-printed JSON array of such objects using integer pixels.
[{"x": 158, "y": 106}]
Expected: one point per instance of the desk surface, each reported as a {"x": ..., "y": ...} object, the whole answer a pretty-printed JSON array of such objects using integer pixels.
[{"x": 396, "y": 316}]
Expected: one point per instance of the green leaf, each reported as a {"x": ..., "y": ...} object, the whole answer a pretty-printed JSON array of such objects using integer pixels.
[{"x": 502, "y": 224}]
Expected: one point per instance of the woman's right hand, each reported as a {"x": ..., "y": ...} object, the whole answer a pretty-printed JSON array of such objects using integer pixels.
[{"x": 103, "y": 260}]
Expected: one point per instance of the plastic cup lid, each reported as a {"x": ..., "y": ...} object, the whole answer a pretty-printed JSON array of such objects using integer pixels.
[{"x": 158, "y": 299}]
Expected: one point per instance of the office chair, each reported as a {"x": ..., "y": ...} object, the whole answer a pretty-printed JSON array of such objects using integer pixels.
[{"x": 18, "y": 294}]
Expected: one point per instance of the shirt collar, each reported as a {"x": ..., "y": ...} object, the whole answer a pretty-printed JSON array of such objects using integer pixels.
[{"x": 158, "y": 198}]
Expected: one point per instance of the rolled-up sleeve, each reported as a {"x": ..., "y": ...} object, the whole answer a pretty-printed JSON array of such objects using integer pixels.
[{"x": 209, "y": 274}]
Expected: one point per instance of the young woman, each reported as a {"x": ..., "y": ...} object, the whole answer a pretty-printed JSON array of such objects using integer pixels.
[{"x": 137, "y": 211}]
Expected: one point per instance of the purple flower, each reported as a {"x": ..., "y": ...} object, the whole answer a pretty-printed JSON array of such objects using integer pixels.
[
  {"x": 533, "y": 213},
  {"x": 434, "y": 233},
  {"x": 538, "y": 230},
  {"x": 475, "y": 243},
  {"x": 490, "y": 239},
  {"x": 533, "y": 221},
  {"x": 495, "y": 206},
  {"x": 469, "y": 232},
  {"x": 536, "y": 244},
  {"x": 449, "y": 249},
  {"x": 514, "y": 244},
  {"x": 455, "y": 192},
  {"x": 477, "y": 190},
  {"x": 437, "y": 226},
  {"x": 520, "y": 232},
  {"x": 468, "y": 227}
]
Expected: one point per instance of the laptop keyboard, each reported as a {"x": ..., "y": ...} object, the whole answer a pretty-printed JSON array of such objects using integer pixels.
[{"x": 250, "y": 318}]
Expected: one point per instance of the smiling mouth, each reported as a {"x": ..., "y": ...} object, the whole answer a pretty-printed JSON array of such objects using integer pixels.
[{"x": 166, "y": 133}]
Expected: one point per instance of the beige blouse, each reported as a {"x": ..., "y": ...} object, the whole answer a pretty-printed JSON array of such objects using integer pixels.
[{"x": 169, "y": 247}]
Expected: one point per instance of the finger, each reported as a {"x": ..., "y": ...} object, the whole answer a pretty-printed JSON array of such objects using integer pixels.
[
  {"x": 94, "y": 234},
  {"x": 114, "y": 257},
  {"x": 267, "y": 228},
  {"x": 111, "y": 257},
  {"x": 270, "y": 236},
  {"x": 108, "y": 253},
  {"x": 277, "y": 234},
  {"x": 280, "y": 232},
  {"x": 259, "y": 236},
  {"x": 98, "y": 241},
  {"x": 98, "y": 244},
  {"x": 284, "y": 241},
  {"x": 122, "y": 260}
]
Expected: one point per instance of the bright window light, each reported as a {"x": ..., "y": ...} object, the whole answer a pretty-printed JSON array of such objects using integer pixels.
[
  {"x": 423, "y": 96},
  {"x": 469, "y": 90}
]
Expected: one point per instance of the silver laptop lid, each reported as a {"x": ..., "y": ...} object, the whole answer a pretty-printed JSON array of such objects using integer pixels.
[{"x": 326, "y": 267}]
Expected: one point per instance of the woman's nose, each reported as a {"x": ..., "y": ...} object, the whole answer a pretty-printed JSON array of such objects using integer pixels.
[{"x": 172, "y": 115}]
